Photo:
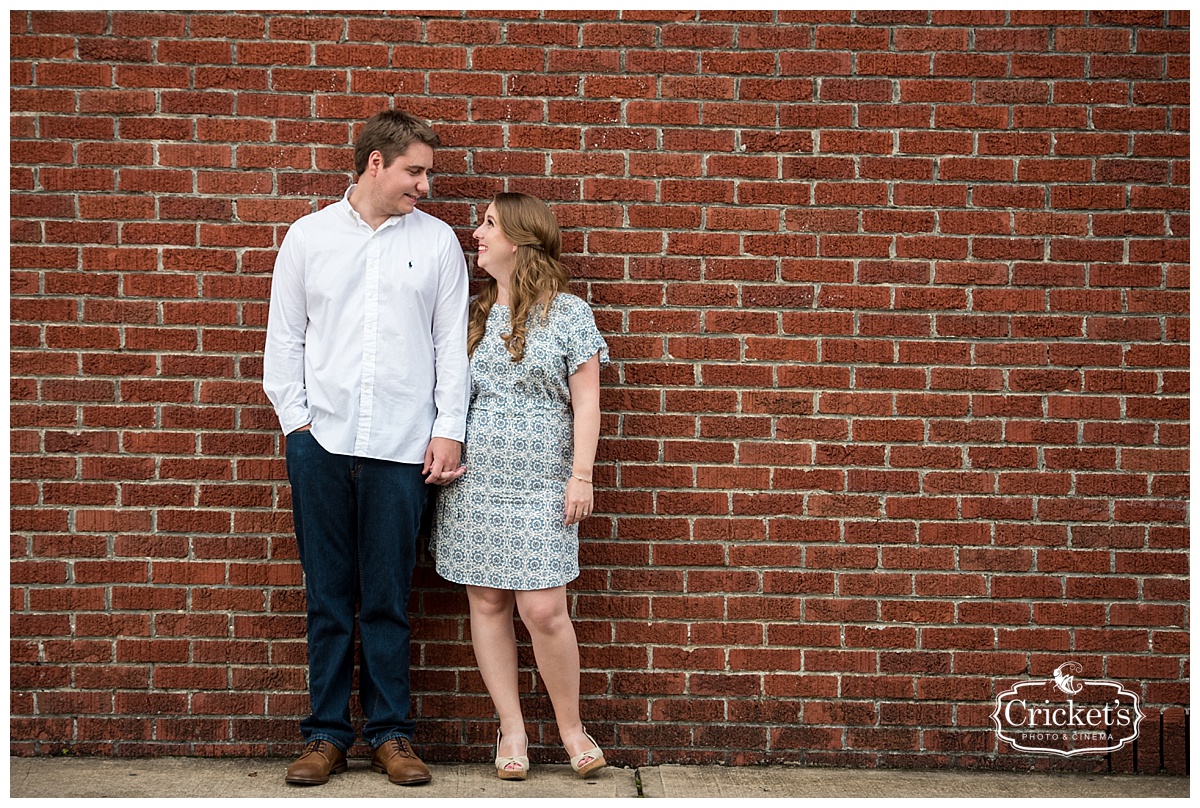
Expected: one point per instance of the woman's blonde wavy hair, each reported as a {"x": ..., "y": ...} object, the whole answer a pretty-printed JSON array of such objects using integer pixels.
[{"x": 537, "y": 276}]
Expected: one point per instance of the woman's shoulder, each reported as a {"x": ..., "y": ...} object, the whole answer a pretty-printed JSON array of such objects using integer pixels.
[{"x": 571, "y": 304}]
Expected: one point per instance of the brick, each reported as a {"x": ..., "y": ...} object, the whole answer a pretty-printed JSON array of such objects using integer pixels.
[{"x": 934, "y": 378}]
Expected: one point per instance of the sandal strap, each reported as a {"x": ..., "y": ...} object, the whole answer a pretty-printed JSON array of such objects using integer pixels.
[
  {"x": 594, "y": 753},
  {"x": 521, "y": 761}
]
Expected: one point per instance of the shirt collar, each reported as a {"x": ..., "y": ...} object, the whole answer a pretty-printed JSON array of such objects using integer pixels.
[{"x": 358, "y": 219}]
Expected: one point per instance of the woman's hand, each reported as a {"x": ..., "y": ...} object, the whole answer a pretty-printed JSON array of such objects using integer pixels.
[
  {"x": 442, "y": 465},
  {"x": 579, "y": 501}
]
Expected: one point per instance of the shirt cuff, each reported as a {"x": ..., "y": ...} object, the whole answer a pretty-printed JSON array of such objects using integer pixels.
[
  {"x": 292, "y": 420},
  {"x": 451, "y": 428}
]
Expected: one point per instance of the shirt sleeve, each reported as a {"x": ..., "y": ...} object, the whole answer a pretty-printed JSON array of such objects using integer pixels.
[
  {"x": 452, "y": 388},
  {"x": 583, "y": 338},
  {"x": 287, "y": 322}
]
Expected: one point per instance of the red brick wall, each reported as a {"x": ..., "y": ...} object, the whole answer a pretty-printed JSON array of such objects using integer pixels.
[{"x": 898, "y": 303}]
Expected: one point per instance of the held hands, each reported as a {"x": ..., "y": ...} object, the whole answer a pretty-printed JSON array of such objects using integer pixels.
[
  {"x": 580, "y": 500},
  {"x": 442, "y": 462}
]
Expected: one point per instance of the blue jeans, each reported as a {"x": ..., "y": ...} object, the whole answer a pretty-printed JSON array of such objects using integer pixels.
[{"x": 356, "y": 525}]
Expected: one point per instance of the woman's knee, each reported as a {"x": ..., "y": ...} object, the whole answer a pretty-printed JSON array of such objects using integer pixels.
[
  {"x": 490, "y": 602},
  {"x": 544, "y": 611}
]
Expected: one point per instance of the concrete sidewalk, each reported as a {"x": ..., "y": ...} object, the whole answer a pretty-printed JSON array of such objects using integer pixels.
[{"x": 263, "y": 777}]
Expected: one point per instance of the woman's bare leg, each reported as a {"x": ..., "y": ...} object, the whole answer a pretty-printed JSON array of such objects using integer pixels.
[
  {"x": 495, "y": 645},
  {"x": 544, "y": 613}
]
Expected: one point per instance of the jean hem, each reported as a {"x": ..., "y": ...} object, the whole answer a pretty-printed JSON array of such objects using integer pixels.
[
  {"x": 319, "y": 736},
  {"x": 391, "y": 736}
]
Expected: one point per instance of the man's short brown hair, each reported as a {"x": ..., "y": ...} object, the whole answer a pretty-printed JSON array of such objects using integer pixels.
[{"x": 390, "y": 133}]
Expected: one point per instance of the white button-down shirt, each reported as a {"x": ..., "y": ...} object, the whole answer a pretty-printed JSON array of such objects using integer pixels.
[{"x": 367, "y": 333}]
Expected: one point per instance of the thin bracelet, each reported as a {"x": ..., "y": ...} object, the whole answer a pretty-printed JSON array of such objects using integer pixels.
[{"x": 577, "y": 477}]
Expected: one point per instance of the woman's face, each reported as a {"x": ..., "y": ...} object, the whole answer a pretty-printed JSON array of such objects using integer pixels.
[{"x": 496, "y": 253}]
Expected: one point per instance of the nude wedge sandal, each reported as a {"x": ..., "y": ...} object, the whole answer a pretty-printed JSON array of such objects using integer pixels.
[
  {"x": 596, "y": 763},
  {"x": 519, "y": 764}
]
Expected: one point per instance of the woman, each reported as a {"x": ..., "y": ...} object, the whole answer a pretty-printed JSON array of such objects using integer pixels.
[{"x": 509, "y": 528}]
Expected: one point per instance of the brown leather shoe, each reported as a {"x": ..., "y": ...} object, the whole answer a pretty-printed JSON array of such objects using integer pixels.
[
  {"x": 403, "y": 767},
  {"x": 320, "y": 759}
]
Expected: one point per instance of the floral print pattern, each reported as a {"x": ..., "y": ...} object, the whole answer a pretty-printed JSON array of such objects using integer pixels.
[{"x": 501, "y": 524}]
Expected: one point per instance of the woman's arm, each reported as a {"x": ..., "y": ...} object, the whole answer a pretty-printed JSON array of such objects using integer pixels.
[{"x": 584, "y": 385}]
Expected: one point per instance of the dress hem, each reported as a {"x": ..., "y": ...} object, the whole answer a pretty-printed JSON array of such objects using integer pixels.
[{"x": 506, "y": 588}]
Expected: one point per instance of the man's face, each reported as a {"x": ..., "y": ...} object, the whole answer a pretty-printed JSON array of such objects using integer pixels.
[{"x": 399, "y": 186}]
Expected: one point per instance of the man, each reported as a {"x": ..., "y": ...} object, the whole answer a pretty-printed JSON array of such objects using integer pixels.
[{"x": 366, "y": 366}]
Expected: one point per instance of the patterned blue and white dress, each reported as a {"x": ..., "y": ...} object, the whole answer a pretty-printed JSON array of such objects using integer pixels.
[{"x": 501, "y": 524}]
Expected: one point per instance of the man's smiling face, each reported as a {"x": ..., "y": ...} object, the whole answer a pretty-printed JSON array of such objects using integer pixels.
[{"x": 399, "y": 186}]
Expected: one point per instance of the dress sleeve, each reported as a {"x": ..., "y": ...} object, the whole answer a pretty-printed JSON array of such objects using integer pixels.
[{"x": 583, "y": 339}]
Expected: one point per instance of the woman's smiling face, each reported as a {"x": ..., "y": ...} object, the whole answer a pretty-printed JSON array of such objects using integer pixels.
[{"x": 496, "y": 253}]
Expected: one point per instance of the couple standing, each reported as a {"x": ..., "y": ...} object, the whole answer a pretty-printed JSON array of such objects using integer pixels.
[{"x": 379, "y": 368}]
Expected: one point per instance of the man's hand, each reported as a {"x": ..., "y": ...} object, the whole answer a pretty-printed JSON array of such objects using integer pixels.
[{"x": 442, "y": 462}]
